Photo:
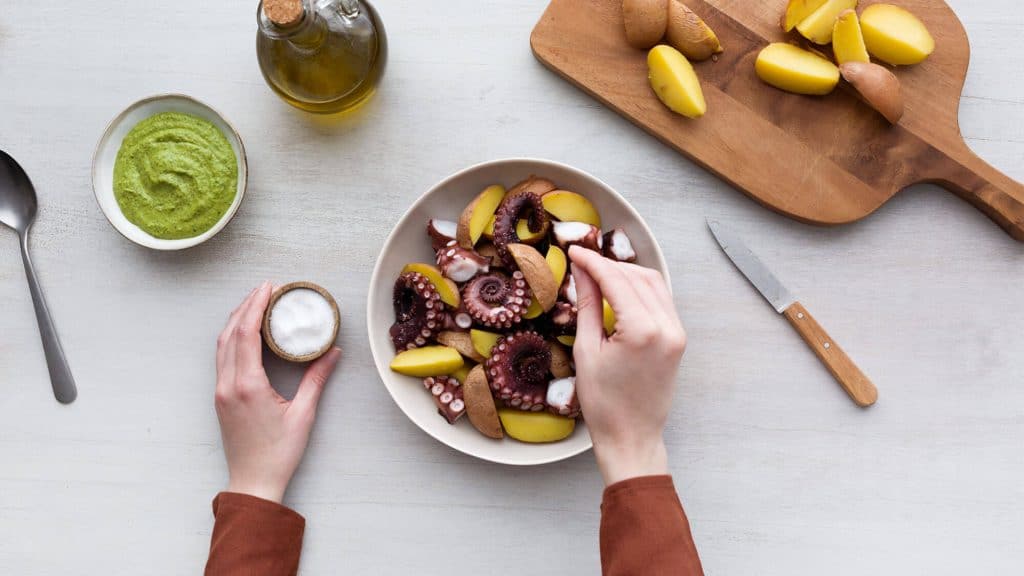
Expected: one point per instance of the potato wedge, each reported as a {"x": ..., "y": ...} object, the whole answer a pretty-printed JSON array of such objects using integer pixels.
[
  {"x": 462, "y": 342},
  {"x": 535, "y": 427},
  {"x": 879, "y": 87},
  {"x": 674, "y": 82},
  {"x": 427, "y": 361},
  {"x": 537, "y": 273},
  {"x": 797, "y": 11},
  {"x": 689, "y": 34},
  {"x": 819, "y": 25},
  {"x": 446, "y": 288},
  {"x": 794, "y": 69},
  {"x": 558, "y": 263},
  {"x": 484, "y": 341},
  {"x": 477, "y": 214},
  {"x": 571, "y": 207},
  {"x": 895, "y": 35},
  {"x": 645, "y": 21},
  {"x": 561, "y": 361},
  {"x": 847, "y": 40},
  {"x": 483, "y": 414}
]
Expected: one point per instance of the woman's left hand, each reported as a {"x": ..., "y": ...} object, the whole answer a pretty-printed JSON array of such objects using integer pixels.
[{"x": 264, "y": 435}]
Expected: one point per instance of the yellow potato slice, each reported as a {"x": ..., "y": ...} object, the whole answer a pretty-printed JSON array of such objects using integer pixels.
[
  {"x": 448, "y": 291},
  {"x": 535, "y": 427},
  {"x": 571, "y": 207},
  {"x": 797, "y": 11},
  {"x": 567, "y": 340},
  {"x": 674, "y": 81},
  {"x": 794, "y": 69},
  {"x": 483, "y": 341},
  {"x": 894, "y": 35},
  {"x": 818, "y": 26},
  {"x": 558, "y": 263},
  {"x": 847, "y": 40},
  {"x": 477, "y": 214},
  {"x": 427, "y": 361}
]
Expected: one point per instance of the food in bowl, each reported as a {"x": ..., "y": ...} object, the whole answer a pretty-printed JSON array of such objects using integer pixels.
[
  {"x": 175, "y": 175},
  {"x": 490, "y": 324}
]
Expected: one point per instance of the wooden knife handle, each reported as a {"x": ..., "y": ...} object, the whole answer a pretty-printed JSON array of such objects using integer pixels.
[{"x": 856, "y": 384}]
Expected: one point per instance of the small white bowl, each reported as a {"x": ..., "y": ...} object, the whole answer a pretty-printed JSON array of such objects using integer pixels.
[
  {"x": 106, "y": 154},
  {"x": 409, "y": 242}
]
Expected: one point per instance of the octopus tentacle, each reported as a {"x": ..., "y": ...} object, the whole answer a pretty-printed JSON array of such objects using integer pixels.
[
  {"x": 518, "y": 371},
  {"x": 512, "y": 209},
  {"x": 496, "y": 300},
  {"x": 448, "y": 396},
  {"x": 418, "y": 311}
]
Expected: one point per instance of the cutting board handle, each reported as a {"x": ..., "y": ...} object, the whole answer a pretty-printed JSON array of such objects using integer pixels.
[{"x": 994, "y": 193}]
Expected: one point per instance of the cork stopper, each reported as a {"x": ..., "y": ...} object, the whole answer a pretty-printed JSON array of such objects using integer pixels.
[{"x": 283, "y": 12}]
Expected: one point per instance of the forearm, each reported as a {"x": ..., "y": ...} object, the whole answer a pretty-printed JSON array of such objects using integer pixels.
[
  {"x": 645, "y": 531},
  {"x": 253, "y": 537}
]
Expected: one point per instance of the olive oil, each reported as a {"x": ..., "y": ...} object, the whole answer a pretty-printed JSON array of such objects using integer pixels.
[{"x": 322, "y": 56}]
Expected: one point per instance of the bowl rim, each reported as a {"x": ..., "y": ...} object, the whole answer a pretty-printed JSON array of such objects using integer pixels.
[
  {"x": 147, "y": 240},
  {"x": 660, "y": 264}
]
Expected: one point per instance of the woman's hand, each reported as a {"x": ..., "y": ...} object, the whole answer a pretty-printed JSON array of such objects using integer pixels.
[
  {"x": 264, "y": 435},
  {"x": 625, "y": 382}
]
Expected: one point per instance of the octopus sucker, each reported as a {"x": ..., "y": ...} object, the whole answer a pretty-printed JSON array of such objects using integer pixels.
[
  {"x": 519, "y": 371},
  {"x": 417, "y": 311},
  {"x": 513, "y": 208},
  {"x": 494, "y": 299}
]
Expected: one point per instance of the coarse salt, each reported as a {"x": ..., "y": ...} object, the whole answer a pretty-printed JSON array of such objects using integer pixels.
[{"x": 302, "y": 322}]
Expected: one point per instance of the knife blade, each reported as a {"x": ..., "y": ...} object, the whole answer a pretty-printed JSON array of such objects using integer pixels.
[{"x": 849, "y": 376}]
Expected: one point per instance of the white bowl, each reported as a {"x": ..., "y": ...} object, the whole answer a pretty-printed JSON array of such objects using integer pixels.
[
  {"x": 409, "y": 242},
  {"x": 106, "y": 154}
]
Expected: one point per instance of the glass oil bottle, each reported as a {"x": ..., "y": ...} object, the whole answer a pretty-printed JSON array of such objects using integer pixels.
[{"x": 322, "y": 56}]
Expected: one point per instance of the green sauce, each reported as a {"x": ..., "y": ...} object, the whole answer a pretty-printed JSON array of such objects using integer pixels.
[{"x": 175, "y": 175}]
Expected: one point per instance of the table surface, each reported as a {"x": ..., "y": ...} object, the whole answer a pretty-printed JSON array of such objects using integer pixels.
[{"x": 780, "y": 473}]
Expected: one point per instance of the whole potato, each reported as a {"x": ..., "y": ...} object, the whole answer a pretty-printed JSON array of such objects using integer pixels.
[{"x": 645, "y": 21}]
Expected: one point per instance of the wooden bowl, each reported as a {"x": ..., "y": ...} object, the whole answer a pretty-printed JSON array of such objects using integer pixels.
[{"x": 269, "y": 339}]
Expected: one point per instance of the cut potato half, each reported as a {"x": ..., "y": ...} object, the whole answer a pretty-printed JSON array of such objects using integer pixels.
[
  {"x": 847, "y": 40},
  {"x": 674, "y": 81},
  {"x": 794, "y": 69},
  {"x": 818, "y": 26},
  {"x": 797, "y": 11},
  {"x": 895, "y": 35}
]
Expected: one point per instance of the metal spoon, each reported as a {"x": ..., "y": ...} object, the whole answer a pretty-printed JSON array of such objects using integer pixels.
[{"x": 18, "y": 210}]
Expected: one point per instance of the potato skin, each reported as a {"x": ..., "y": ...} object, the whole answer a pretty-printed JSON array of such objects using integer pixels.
[
  {"x": 645, "y": 21},
  {"x": 689, "y": 34}
]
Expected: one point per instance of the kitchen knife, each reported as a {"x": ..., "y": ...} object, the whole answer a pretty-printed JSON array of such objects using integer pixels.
[{"x": 856, "y": 384}]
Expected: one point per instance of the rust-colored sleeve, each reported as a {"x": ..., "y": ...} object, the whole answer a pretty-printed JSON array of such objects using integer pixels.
[
  {"x": 254, "y": 537},
  {"x": 644, "y": 530}
]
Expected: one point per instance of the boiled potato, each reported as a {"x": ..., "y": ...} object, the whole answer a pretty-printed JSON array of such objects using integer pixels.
[
  {"x": 674, "y": 81},
  {"x": 818, "y": 26},
  {"x": 477, "y": 215},
  {"x": 448, "y": 291},
  {"x": 427, "y": 361},
  {"x": 535, "y": 427},
  {"x": 847, "y": 40},
  {"x": 797, "y": 11},
  {"x": 484, "y": 341},
  {"x": 894, "y": 35},
  {"x": 796, "y": 70},
  {"x": 571, "y": 207},
  {"x": 645, "y": 21},
  {"x": 689, "y": 34}
]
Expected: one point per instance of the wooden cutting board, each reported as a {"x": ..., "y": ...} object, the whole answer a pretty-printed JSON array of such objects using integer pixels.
[{"x": 826, "y": 160}]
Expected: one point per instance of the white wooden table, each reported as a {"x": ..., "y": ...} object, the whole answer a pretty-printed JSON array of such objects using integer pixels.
[{"x": 780, "y": 473}]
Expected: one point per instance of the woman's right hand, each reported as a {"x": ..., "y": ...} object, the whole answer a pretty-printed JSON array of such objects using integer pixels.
[{"x": 625, "y": 382}]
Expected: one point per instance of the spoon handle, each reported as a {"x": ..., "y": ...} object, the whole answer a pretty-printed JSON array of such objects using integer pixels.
[{"x": 60, "y": 375}]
